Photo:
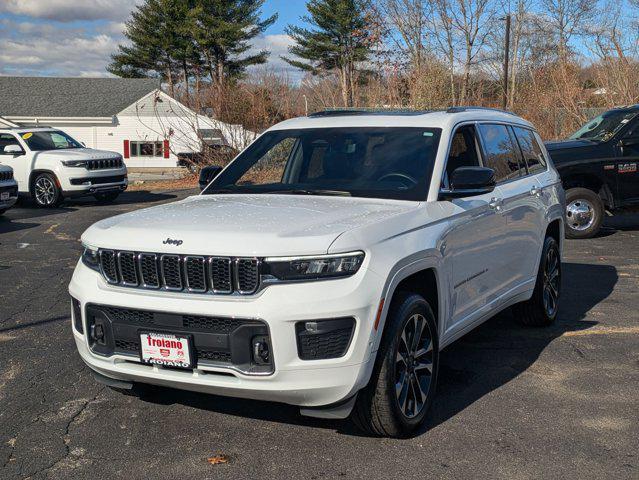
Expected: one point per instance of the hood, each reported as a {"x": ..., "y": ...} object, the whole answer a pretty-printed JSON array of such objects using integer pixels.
[
  {"x": 242, "y": 225},
  {"x": 77, "y": 154},
  {"x": 568, "y": 143}
]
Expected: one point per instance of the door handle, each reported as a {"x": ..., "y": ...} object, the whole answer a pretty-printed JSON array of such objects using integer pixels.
[
  {"x": 495, "y": 203},
  {"x": 535, "y": 192}
]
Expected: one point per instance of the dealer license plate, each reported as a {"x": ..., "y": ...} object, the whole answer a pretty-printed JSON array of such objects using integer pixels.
[
  {"x": 166, "y": 349},
  {"x": 4, "y": 196}
]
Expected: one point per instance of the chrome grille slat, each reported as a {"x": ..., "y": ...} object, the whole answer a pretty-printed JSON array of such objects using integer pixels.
[
  {"x": 171, "y": 274},
  {"x": 148, "y": 263},
  {"x": 128, "y": 269},
  {"x": 195, "y": 274},
  {"x": 220, "y": 274}
]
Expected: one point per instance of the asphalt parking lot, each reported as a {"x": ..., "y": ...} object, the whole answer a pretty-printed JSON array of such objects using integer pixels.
[{"x": 513, "y": 402}]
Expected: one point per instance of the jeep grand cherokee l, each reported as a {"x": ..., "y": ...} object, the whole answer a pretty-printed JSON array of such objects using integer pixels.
[
  {"x": 49, "y": 165},
  {"x": 329, "y": 264}
]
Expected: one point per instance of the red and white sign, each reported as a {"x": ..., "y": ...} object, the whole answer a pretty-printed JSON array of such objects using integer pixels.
[{"x": 165, "y": 349}]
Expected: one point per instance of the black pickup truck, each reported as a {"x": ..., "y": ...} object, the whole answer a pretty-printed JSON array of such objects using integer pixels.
[{"x": 599, "y": 169}]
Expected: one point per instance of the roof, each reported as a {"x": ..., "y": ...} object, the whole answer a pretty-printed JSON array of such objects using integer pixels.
[
  {"x": 71, "y": 97},
  {"x": 445, "y": 119}
]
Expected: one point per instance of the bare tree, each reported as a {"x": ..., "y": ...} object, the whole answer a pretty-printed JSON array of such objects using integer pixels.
[
  {"x": 408, "y": 19},
  {"x": 565, "y": 19}
]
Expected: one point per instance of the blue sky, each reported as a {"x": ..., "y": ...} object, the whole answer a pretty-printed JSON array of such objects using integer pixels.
[{"x": 77, "y": 37}]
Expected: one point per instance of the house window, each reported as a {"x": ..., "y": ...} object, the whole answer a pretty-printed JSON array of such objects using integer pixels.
[{"x": 146, "y": 149}]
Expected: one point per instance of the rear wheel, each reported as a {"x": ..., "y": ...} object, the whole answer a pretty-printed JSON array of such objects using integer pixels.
[
  {"x": 107, "y": 197},
  {"x": 45, "y": 191},
  {"x": 584, "y": 213},
  {"x": 402, "y": 386},
  {"x": 541, "y": 309}
]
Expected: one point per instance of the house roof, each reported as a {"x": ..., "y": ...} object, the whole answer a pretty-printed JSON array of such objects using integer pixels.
[{"x": 71, "y": 97}]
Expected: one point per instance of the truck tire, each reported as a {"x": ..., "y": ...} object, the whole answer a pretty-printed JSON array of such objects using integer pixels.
[
  {"x": 541, "y": 309},
  {"x": 45, "y": 191},
  {"x": 584, "y": 213},
  {"x": 402, "y": 386}
]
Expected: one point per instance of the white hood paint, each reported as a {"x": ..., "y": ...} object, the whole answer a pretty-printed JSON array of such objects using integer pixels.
[
  {"x": 76, "y": 154},
  {"x": 242, "y": 225}
]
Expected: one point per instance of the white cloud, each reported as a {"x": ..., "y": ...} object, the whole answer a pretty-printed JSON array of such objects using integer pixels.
[
  {"x": 70, "y": 10},
  {"x": 278, "y": 45}
]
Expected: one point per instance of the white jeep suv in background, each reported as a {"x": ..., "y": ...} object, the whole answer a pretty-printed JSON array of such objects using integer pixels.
[
  {"x": 8, "y": 189},
  {"x": 329, "y": 264},
  {"x": 49, "y": 165}
]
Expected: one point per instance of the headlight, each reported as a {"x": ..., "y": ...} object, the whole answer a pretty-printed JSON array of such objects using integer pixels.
[
  {"x": 91, "y": 258},
  {"x": 74, "y": 163},
  {"x": 314, "y": 268}
]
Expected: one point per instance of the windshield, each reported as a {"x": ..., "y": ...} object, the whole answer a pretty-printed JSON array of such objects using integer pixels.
[
  {"x": 603, "y": 127},
  {"x": 394, "y": 163},
  {"x": 50, "y": 140}
]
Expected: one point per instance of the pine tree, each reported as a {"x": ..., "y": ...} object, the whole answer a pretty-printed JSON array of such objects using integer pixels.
[
  {"x": 223, "y": 29},
  {"x": 337, "y": 42},
  {"x": 174, "y": 39}
]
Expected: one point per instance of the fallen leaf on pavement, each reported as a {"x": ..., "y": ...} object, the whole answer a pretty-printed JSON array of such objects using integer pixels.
[{"x": 217, "y": 459}]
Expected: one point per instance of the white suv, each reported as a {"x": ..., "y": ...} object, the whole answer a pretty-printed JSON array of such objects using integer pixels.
[
  {"x": 329, "y": 264},
  {"x": 8, "y": 189},
  {"x": 49, "y": 165}
]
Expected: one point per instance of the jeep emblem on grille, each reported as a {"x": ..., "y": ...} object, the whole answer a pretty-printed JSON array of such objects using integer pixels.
[{"x": 170, "y": 241}]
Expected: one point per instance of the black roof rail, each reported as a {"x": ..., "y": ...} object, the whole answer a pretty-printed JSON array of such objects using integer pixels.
[{"x": 467, "y": 108}]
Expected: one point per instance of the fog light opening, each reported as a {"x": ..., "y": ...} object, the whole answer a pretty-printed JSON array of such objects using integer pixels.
[
  {"x": 261, "y": 351},
  {"x": 97, "y": 333}
]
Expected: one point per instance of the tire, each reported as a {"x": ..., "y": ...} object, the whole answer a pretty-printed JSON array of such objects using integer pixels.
[
  {"x": 45, "y": 191},
  {"x": 377, "y": 410},
  {"x": 537, "y": 311},
  {"x": 106, "y": 197},
  {"x": 584, "y": 213}
]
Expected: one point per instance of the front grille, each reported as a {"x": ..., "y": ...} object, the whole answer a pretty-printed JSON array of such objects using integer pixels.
[
  {"x": 4, "y": 176},
  {"x": 215, "y": 341},
  {"x": 178, "y": 273},
  {"x": 104, "y": 164}
]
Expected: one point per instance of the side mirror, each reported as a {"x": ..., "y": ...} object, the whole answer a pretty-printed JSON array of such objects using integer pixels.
[
  {"x": 207, "y": 174},
  {"x": 469, "y": 182},
  {"x": 13, "y": 150}
]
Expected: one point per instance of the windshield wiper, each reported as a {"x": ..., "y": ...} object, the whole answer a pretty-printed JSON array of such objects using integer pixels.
[{"x": 303, "y": 191}]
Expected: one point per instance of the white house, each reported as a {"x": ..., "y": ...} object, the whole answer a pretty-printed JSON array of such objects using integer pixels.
[{"x": 132, "y": 116}]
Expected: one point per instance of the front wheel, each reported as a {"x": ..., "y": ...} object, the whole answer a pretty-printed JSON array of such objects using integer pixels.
[
  {"x": 107, "y": 197},
  {"x": 402, "y": 386},
  {"x": 584, "y": 213},
  {"x": 45, "y": 191},
  {"x": 541, "y": 309}
]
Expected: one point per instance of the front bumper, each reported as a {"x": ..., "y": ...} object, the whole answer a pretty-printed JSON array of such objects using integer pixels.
[
  {"x": 12, "y": 189},
  {"x": 75, "y": 181},
  {"x": 307, "y": 383}
]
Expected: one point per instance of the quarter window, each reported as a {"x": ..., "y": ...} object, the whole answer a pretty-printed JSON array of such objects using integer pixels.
[
  {"x": 501, "y": 152},
  {"x": 533, "y": 155}
]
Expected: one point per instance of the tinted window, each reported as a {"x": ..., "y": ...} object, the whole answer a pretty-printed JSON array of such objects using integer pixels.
[
  {"x": 376, "y": 162},
  {"x": 500, "y": 152},
  {"x": 49, "y": 140},
  {"x": 531, "y": 150}
]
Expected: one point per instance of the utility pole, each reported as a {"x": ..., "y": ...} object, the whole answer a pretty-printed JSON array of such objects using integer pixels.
[{"x": 506, "y": 58}]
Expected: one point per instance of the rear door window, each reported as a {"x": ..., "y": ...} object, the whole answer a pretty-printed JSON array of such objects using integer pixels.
[
  {"x": 533, "y": 155},
  {"x": 501, "y": 153}
]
